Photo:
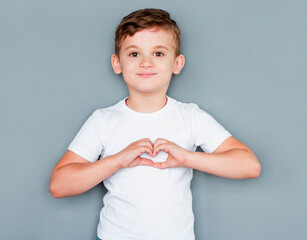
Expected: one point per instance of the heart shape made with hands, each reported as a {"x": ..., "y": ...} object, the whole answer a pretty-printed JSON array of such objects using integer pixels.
[{"x": 160, "y": 157}]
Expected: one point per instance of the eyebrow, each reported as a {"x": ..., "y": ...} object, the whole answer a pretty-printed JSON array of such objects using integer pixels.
[{"x": 156, "y": 47}]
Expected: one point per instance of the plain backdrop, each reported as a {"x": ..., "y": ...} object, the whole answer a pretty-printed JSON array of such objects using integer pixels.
[{"x": 245, "y": 65}]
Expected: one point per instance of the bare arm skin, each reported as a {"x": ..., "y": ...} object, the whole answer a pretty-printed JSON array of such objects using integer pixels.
[
  {"x": 74, "y": 175},
  {"x": 232, "y": 159}
]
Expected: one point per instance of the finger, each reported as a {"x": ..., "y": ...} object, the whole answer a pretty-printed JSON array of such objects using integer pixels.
[
  {"x": 141, "y": 161},
  {"x": 163, "y": 147},
  {"x": 146, "y": 142},
  {"x": 160, "y": 165},
  {"x": 147, "y": 149},
  {"x": 143, "y": 142},
  {"x": 159, "y": 141}
]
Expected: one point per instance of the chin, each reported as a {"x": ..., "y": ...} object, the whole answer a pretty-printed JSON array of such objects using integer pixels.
[{"x": 147, "y": 89}]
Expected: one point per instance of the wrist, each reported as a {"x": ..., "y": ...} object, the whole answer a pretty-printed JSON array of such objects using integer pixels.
[
  {"x": 119, "y": 163},
  {"x": 116, "y": 163},
  {"x": 189, "y": 159}
]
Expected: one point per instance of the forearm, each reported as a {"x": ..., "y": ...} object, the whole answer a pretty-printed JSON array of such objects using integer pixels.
[
  {"x": 76, "y": 178},
  {"x": 234, "y": 163}
]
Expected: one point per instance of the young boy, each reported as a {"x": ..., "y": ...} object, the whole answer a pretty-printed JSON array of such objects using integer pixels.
[{"x": 147, "y": 141}]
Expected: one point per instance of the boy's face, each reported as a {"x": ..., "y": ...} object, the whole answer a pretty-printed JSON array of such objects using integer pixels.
[{"x": 147, "y": 61}]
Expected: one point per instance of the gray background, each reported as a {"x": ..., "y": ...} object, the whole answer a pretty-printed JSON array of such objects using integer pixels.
[{"x": 245, "y": 65}]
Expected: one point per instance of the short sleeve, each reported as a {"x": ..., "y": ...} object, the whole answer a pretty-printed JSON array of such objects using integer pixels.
[
  {"x": 88, "y": 141},
  {"x": 208, "y": 133}
]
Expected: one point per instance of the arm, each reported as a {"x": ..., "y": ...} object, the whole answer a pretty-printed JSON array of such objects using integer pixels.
[
  {"x": 232, "y": 159},
  {"x": 74, "y": 175}
]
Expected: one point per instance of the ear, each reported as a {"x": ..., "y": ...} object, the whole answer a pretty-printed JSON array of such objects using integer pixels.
[
  {"x": 179, "y": 63},
  {"x": 116, "y": 64}
]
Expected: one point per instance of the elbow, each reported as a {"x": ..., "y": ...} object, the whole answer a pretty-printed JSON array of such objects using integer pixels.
[
  {"x": 255, "y": 170},
  {"x": 54, "y": 190},
  {"x": 254, "y": 166}
]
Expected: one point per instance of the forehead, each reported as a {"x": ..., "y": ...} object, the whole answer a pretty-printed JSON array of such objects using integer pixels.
[{"x": 150, "y": 38}]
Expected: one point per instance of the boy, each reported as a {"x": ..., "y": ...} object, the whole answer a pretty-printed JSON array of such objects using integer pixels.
[{"x": 147, "y": 141}]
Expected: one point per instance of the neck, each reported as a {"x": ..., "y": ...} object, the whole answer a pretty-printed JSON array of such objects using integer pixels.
[{"x": 146, "y": 104}]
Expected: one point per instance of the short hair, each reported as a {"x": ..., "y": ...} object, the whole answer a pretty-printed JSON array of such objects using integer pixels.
[{"x": 145, "y": 19}]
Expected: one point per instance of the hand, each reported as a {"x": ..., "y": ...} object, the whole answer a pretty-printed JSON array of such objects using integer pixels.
[
  {"x": 130, "y": 156},
  {"x": 177, "y": 156}
]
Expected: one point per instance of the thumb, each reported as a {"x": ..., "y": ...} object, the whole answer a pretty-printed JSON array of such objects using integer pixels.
[{"x": 141, "y": 161}]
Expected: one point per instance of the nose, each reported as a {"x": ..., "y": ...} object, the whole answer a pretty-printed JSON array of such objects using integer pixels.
[{"x": 146, "y": 62}]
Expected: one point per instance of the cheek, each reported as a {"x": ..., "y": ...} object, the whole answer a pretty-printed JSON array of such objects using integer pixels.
[
  {"x": 128, "y": 69},
  {"x": 131, "y": 66},
  {"x": 167, "y": 67}
]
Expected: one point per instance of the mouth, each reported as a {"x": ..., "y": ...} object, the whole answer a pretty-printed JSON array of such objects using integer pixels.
[{"x": 146, "y": 75}]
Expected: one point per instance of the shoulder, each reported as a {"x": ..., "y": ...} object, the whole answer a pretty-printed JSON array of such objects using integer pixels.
[
  {"x": 188, "y": 107},
  {"x": 194, "y": 114},
  {"x": 108, "y": 112},
  {"x": 184, "y": 106}
]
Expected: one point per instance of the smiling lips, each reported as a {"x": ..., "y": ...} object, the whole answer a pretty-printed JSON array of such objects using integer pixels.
[{"x": 146, "y": 75}]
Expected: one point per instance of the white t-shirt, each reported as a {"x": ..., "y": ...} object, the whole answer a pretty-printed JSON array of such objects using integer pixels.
[{"x": 146, "y": 203}]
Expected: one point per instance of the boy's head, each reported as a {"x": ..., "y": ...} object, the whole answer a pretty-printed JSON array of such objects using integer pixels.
[
  {"x": 146, "y": 19},
  {"x": 147, "y": 51}
]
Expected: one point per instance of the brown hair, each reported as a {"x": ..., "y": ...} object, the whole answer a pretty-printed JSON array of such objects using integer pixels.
[{"x": 145, "y": 19}]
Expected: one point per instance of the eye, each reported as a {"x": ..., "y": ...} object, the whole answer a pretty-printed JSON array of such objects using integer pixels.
[
  {"x": 134, "y": 54},
  {"x": 158, "y": 54}
]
